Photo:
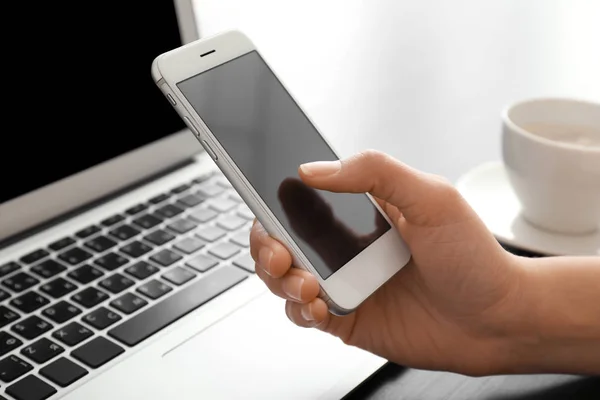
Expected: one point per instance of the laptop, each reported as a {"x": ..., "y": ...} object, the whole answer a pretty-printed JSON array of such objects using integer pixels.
[{"x": 124, "y": 258}]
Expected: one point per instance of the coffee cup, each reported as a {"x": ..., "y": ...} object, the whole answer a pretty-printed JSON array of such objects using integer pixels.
[{"x": 551, "y": 151}]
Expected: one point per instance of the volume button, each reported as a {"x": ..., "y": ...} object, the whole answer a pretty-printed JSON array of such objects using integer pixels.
[
  {"x": 209, "y": 150},
  {"x": 171, "y": 99},
  {"x": 191, "y": 126}
]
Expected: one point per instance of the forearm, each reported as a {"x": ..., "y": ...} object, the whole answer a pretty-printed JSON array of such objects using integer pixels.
[{"x": 556, "y": 327}]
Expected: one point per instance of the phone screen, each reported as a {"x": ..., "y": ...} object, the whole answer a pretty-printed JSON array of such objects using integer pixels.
[{"x": 268, "y": 136}]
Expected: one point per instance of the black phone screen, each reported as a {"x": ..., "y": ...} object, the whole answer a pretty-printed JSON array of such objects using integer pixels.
[{"x": 268, "y": 136}]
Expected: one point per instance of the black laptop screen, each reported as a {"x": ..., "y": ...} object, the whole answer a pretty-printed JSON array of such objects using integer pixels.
[{"x": 85, "y": 93}]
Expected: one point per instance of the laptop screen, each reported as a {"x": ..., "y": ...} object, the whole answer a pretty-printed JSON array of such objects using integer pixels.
[{"x": 92, "y": 97}]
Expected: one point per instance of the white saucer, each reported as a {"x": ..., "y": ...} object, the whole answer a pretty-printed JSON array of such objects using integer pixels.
[{"x": 489, "y": 192}]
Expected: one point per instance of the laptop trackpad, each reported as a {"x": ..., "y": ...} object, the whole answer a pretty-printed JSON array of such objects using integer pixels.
[{"x": 258, "y": 353}]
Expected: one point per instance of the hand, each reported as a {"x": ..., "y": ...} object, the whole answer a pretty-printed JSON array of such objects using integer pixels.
[{"x": 444, "y": 310}]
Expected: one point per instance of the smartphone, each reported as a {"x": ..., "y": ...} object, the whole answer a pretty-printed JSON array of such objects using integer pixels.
[{"x": 258, "y": 136}]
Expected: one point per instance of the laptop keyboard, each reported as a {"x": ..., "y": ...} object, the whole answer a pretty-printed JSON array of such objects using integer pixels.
[{"x": 110, "y": 286}]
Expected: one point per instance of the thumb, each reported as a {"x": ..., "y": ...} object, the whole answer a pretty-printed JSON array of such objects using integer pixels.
[{"x": 423, "y": 199}]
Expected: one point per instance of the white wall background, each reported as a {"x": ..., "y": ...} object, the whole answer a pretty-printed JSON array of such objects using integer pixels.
[{"x": 423, "y": 80}]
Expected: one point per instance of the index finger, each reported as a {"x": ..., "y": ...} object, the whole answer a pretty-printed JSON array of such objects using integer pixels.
[{"x": 269, "y": 253}]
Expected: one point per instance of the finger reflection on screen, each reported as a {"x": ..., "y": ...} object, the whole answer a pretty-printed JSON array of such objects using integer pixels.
[{"x": 313, "y": 220}]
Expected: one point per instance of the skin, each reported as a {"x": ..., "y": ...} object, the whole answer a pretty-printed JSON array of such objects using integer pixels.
[{"x": 462, "y": 304}]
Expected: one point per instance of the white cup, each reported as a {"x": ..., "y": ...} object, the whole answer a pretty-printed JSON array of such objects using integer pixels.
[{"x": 551, "y": 150}]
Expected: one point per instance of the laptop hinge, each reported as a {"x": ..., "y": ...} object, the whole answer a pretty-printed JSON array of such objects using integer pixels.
[{"x": 88, "y": 206}]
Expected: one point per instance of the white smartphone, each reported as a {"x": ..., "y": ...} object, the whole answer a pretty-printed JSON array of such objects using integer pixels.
[{"x": 258, "y": 136}]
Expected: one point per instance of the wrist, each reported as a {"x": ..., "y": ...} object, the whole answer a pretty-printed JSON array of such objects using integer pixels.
[
  {"x": 549, "y": 322},
  {"x": 508, "y": 323},
  {"x": 498, "y": 330}
]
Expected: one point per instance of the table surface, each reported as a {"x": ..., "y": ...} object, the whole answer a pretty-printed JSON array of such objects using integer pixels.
[{"x": 425, "y": 81}]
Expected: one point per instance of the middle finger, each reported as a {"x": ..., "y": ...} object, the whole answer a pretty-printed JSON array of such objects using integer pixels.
[
  {"x": 297, "y": 285},
  {"x": 268, "y": 253}
]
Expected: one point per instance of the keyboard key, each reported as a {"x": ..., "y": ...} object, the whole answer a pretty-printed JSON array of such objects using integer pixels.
[
  {"x": 4, "y": 295},
  {"x": 128, "y": 303},
  {"x": 30, "y": 388},
  {"x": 202, "y": 262},
  {"x": 224, "y": 250},
  {"x": 101, "y": 318},
  {"x": 141, "y": 270},
  {"x": 116, "y": 283},
  {"x": 100, "y": 244},
  {"x": 111, "y": 261},
  {"x": 72, "y": 334},
  {"x": 48, "y": 268},
  {"x": 160, "y": 198},
  {"x": 236, "y": 197},
  {"x": 61, "y": 243},
  {"x": 138, "y": 208},
  {"x": 190, "y": 200},
  {"x": 223, "y": 183},
  {"x": 169, "y": 310},
  {"x": 42, "y": 350},
  {"x": 165, "y": 257},
  {"x": 203, "y": 178},
  {"x": 231, "y": 222},
  {"x": 179, "y": 276},
  {"x": 7, "y": 316},
  {"x": 110, "y": 221},
  {"x": 241, "y": 238},
  {"x": 246, "y": 262},
  {"x": 97, "y": 352},
  {"x": 180, "y": 188},
  {"x": 29, "y": 302},
  {"x": 182, "y": 225},
  {"x": 245, "y": 212},
  {"x": 147, "y": 221},
  {"x": 203, "y": 215},
  {"x": 85, "y": 274},
  {"x": 8, "y": 343},
  {"x": 169, "y": 210},
  {"x": 159, "y": 237},
  {"x": 12, "y": 367},
  {"x": 222, "y": 205},
  {"x": 75, "y": 255},
  {"x": 20, "y": 282},
  {"x": 34, "y": 256},
  {"x": 124, "y": 232},
  {"x": 210, "y": 190},
  {"x": 58, "y": 287},
  {"x": 189, "y": 245},
  {"x": 87, "y": 232},
  {"x": 61, "y": 312},
  {"x": 9, "y": 267},
  {"x": 211, "y": 233},
  {"x": 31, "y": 327},
  {"x": 90, "y": 297},
  {"x": 154, "y": 289},
  {"x": 63, "y": 372},
  {"x": 135, "y": 249}
]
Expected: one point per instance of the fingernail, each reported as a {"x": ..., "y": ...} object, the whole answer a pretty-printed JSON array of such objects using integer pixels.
[
  {"x": 306, "y": 312},
  {"x": 321, "y": 168},
  {"x": 264, "y": 259},
  {"x": 292, "y": 286}
]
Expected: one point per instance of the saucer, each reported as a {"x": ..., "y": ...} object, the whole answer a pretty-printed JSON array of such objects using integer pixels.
[{"x": 487, "y": 189}]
